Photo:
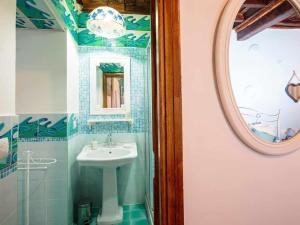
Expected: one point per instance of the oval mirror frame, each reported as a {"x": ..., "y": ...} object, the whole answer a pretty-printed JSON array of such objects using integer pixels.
[{"x": 230, "y": 108}]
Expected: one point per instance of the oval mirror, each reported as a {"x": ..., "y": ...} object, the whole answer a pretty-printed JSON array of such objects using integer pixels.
[{"x": 257, "y": 65}]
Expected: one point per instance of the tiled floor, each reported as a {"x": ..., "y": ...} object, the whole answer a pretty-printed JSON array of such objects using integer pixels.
[{"x": 132, "y": 215}]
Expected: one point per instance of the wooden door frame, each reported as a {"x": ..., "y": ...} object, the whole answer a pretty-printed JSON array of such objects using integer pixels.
[{"x": 167, "y": 113}]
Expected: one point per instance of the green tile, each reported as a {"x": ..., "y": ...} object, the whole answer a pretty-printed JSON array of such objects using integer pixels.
[
  {"x": 132, "y": 215},
  {"x": 133, "y": 207},
  {"x": 138, "y": 214},
  {"x": 126, "y": 215},
  {"x": 125, "y": 222},
  {"x": 139, "y": 222},
  {"x": 125, "y": 208}
]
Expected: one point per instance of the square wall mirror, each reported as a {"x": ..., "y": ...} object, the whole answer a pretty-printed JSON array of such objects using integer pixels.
[{"x": 109, "y": 85}]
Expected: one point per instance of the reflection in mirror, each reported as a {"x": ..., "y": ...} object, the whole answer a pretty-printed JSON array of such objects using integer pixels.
[
  {"x": 264, "y": 65},
  {"x": 110, "y": 78}
]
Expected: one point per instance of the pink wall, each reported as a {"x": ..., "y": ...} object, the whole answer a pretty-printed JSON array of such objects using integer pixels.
[{"x": 225, "y": 182}]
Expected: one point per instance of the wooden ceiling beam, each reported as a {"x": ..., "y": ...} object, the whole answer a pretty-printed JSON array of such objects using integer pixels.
[
  {"x": 273, "y": 13},
  {"x": 123, "y": 6},
  {"x": 287, "y": 25},
  {"x": 254, "y": 4},
  {"x": 239, "y": 18}
]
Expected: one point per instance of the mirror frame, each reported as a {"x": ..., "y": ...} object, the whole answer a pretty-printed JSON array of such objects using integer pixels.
[
  {"x": 96, "y": 108},
  {"x": 222, "y": 73}
]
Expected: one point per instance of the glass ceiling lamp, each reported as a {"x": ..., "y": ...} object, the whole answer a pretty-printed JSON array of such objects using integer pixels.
[{"x": 106, "y": 22}]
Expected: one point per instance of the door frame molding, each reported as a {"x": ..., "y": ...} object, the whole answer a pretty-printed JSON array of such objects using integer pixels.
[{"x": 167, "y": 113}]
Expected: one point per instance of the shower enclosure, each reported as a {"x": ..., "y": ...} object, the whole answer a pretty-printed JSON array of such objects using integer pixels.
[{"x": 149, "y": 140}]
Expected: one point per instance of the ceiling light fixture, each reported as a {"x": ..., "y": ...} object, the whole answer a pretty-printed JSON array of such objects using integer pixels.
[{"x": 106, "y": 22}]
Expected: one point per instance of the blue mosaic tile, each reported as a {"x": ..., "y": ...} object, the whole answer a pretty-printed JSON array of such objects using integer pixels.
[{"x": 139, "y": 58}]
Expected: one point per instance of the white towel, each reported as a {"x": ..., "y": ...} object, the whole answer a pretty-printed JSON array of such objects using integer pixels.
[{"x": 4, "y": 148}]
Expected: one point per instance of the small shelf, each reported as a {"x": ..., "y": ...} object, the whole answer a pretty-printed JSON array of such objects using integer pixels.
[{"x": 94, "y": 121}]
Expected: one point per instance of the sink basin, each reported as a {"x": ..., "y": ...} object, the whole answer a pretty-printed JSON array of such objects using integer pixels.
[{"x": 109, "y": 158}]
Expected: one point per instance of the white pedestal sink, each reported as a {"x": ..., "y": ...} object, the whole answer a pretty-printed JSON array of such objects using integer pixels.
[{"x": 109, "y": 158}]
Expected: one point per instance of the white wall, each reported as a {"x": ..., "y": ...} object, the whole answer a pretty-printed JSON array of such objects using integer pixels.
[
  {"x": 225, "y": 182},
  {"x": 8, "y": 185},
  {"x": 41, "y": 72},
  {"x": 73, "y": 75},
  {"x": 259, "y": 73},
  {"x": 7, "y": 56}
]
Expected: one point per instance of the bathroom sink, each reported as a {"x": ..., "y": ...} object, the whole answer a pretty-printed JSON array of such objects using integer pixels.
[{"x": 107, "y": 156}]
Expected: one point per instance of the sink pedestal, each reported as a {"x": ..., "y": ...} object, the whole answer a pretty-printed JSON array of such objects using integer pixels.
[
  {"x": 109, "y": 158},
  {"x": 112, "y": 213}
]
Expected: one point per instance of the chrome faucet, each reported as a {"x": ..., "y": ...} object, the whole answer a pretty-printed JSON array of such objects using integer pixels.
[{"x": 109, "y": 140}]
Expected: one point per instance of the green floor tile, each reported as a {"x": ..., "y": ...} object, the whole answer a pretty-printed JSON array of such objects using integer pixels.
[
  {"x": 125, "y": 222},
  {"x": 132, "y": 215},
  {"x": 138, "y": 214},
  {"x": 126, "y": 215},
  {"x": 139, "y": 222}
]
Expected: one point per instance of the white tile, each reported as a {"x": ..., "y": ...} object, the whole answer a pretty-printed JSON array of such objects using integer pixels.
[{"x": 8, "y": 195}]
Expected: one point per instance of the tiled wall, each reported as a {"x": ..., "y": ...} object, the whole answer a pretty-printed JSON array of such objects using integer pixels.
[
  {"x": 8, "y": 202},
  {"x": 8, "y": 179},
  {"x": 138, "y": 59},
  {"x": 131, "y": 178},
  {"x": 62, "y": 136},
  {"x": 48, "y": 188},
  {"x": 47, "y": 136}
]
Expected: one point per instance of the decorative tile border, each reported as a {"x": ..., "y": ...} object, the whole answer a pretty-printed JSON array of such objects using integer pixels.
[
  {"x": 46, "y": 24},
  {"x": 74, "y": 8},
  {"x": 36, "y": 14},
  {"x": 9, "y": 131},
  {"x": 139, "y": 39},
  {"x": 133, "y": 21},
  {"x": 47, "y": 127},
  {"x": 137, "y": 35},
  {"x": 138, "y": 22},
  {"x": 34, "y": 128},
  {"x": 42, "y": 139},
  {"x": 62, "y": 9},
  {"x": 34, "y": 9},
  {"x": 52, "y": 125},
  {"x": 8, "y": 170}
]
